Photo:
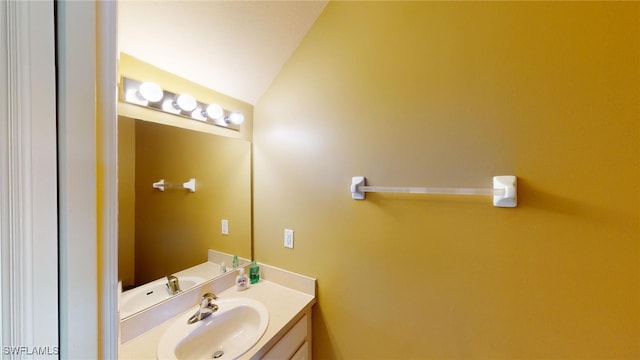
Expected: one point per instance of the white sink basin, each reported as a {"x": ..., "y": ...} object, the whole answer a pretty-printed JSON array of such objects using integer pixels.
[
  {"x": 227, "y": 333},
  {"x": 147, "y": 295}
]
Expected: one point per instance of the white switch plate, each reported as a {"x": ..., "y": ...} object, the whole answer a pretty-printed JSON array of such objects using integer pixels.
[
  {"x": 225, "y": 227},
  {"x": 288, "y": 238}
]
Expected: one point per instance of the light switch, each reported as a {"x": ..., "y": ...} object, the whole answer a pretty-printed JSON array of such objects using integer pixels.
[
  {"x": 288, "y": 238},
  {"x": 225, "y": 227}
]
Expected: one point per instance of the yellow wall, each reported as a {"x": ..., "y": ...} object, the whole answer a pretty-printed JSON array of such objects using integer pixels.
[
  {"x": 451, "y": 94},
  {"x": 175, "y": 228}
]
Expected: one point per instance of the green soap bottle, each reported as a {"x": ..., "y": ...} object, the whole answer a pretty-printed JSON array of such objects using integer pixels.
[{"x": 254, "y": 273}]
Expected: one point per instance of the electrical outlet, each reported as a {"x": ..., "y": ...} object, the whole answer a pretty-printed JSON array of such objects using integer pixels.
[
  {"x": 288, "y": 238},
  {"x": 225, "y": 227}
]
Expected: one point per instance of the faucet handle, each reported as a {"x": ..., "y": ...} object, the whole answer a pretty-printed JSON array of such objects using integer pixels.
[
  {"x": 208, "y": 298},
  {"x": 173, "y": 285},
  {"x": 207, "y": 302}
]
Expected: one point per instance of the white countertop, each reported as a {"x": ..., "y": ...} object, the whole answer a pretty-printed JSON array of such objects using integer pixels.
[{"x": 285, "y": 306}]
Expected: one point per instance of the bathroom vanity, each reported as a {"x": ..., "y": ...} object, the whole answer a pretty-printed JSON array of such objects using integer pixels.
[{"x": 286, "y": 296}]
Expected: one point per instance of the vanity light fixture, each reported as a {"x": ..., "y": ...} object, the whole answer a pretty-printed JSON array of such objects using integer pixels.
[
  {"x": 152, "y": 96},
  {"x": 185, "y": 102},
  {"x": 182, "y": 102},
  {"x": 221, "y": 122},
  {"x": 198, "y": 114},
  {"x": 144, "y": 94},
  {"x": 167, "y": 106},
  {"x": 151, "y": 92},
  {"x": 235, "y": 118},
  {"x": 131, "y": 96},
  {"x": 214, "y": 111}
]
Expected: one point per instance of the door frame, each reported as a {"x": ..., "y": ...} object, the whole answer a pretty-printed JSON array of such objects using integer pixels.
[
  {"x": 58, "y": 179},
  {"x": 87, "y": 165},
  {"x": 28, "y": 180}
]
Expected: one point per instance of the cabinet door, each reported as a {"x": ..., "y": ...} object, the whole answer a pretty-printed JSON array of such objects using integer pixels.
[
  {"x": 302, "y": 353},
  {"x": 290, "y": 342}
]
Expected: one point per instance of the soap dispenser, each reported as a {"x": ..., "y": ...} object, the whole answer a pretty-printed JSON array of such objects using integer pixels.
[{"x": 242, "y": 282}]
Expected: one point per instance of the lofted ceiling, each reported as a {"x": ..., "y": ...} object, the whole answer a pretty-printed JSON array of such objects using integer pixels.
[{"x": 234, "y": 47}]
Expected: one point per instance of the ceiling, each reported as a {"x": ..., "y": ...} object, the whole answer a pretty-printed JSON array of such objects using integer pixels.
[{"x": 233, "y": 47}]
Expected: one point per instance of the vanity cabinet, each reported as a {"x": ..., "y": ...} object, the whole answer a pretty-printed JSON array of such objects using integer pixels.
[
  {"x": 304, "y": 353},
  {"x": 295, "y": 344}
]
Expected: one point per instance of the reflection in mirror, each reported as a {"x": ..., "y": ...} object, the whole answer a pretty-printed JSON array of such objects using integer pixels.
[{"x": 170, "y": 232}]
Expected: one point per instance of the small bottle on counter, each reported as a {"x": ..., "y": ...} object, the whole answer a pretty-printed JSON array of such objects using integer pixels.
[
  {"x": 242, "y": 283},
  {"x": 254, "y": 272},
  {"x": 223, "y": 268},
  {"x": 235, "y": 262}
]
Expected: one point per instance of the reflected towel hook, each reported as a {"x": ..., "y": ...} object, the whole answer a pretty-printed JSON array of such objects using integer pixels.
[
  {"x": 159, "y": 185},
  {"x": 162, "y": 185},
  {"x": 190, "y": 185}
]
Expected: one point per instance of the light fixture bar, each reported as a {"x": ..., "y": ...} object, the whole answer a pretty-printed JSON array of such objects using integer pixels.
[{"x": 180, "y": 104}]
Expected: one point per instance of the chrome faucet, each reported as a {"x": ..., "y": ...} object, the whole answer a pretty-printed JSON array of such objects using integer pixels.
[
  {"x": 173, "y": 285},
  {"x": 207, "y": 307}
]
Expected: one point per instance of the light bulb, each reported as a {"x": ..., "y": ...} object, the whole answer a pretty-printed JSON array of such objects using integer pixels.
[
  {"x": 220, "y": 122},
  {"x": 198, "y": 114},
  {"x": 186, "y": 102},
  {"x": 150, "y": 91},
  {"x": 214, "y": 111},
  {"x": 236, "y": 118},
  {"x": 168, "y": 106},
  {"x": 133, "y": 96}
]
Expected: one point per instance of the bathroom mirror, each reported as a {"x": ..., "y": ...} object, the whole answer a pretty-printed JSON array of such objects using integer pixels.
[{"x": 163, "y": 232}]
